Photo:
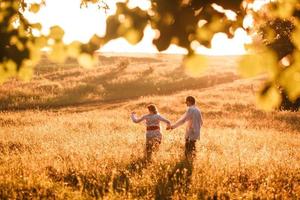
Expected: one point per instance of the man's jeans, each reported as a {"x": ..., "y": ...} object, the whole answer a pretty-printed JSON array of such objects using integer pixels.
[{"x": 190, "y": 148}]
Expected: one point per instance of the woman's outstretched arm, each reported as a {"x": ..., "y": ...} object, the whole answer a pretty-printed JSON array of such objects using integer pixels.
[{"x": 135, "y": 119}]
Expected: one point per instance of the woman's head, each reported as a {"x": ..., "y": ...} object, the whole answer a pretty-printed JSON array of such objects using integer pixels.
[{"x": 152, "y": 108}]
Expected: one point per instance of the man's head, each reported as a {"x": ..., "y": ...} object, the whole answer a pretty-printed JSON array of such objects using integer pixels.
[{"x": 190, "y": 101}]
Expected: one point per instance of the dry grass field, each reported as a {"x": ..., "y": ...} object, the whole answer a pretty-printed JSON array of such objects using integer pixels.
[{"x": 67, "y": 134}]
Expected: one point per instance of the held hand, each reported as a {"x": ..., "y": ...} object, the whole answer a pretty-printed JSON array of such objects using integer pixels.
[{"x": 169, "y": 127}]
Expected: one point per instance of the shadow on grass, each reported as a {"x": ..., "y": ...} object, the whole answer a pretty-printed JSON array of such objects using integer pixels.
[
  {"x": 178, "y": 180},
  {"x": 95, "y": 184},
  {"x": 121, "y": 181},
  {"x": 11, "y": 190},
  {"x": 292, "y": 119},
  {"x": 10, "y": 148}
]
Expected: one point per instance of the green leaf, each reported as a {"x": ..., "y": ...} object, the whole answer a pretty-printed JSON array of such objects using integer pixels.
[
  {"x": 216, "y": 24},
  {"x": 296, "y": 37},
  {"x": 1, "y": 17},
  {"x": 25, "y": 73},
  {"x": 56, "y": 33},
  {"x": 58, "y": 53},
  {"x": 133, "y": 36},
  {"x": 87, "y": 61},
  {"x": 256, "y": 64},
  {"x": 286, "y": 8},
  {"x": 37, "y": 26},
  {"x": 270, "y": 34},
  {"x": 15, "y": 41},
  {"x": 7, "y": 69},
  {"x": 2, "y": 74},
  {"x": 34, "y": 8},
  {"x": 73, "y": 49},
  {"x": 195, "y": 65},
  {"x": 290, "y": 80},
  {"x": 35, "y": 53},
  {"x": 11, "y": 68},
  {"x": 203, "y": 33},
  {"x": 40, "y": 42},
  {"x": 269, "y": 100}
]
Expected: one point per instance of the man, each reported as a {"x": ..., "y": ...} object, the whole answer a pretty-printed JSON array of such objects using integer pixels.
[{"x": 194, "y": 121}]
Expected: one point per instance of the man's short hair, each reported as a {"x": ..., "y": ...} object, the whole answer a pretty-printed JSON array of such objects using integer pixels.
[{"x": 191, "y": 99}]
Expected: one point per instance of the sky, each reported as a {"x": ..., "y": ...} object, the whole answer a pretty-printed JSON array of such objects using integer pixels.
[{"x": 81, "y": 23}]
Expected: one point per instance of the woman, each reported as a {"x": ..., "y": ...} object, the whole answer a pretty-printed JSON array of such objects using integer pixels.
[{"x": 153, "y": 134}]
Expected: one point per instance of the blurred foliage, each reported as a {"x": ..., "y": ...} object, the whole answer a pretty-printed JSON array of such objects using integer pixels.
[
  {"x": 180, "y": 22},
  {"x": 278, "y": 26},
  {"x": 22, "y": 42}
]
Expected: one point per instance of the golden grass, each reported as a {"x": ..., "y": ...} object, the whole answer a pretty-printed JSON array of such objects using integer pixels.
[{"x": 67, "y": 135}]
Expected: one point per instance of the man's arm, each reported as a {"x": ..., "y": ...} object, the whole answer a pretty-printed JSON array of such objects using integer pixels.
[
  {"x": 201, "y": 119},
  {"x": 181, "y": 120},
  {"x": 135, "y": 119}
]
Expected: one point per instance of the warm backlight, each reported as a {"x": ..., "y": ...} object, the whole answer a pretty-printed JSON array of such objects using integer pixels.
[{"x": 81, "y": 23}]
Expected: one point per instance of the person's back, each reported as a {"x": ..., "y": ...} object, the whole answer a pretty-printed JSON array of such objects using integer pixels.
[
  {"x": 152, "y": 119},
  {"x": 153, "y": 133},
  {"x": 194, "y": 122},
  {"x": 152, "y": 122}
]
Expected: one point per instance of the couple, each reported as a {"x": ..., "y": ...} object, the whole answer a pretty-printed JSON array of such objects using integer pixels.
[{"x": 194, "y": 121}]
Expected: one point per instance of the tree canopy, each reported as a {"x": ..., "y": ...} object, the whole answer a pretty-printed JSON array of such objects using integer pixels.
[{"x": 180, "y": 22}]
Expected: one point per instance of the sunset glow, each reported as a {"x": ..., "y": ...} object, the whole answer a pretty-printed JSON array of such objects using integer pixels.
[{"x": 81, "y": 23}]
